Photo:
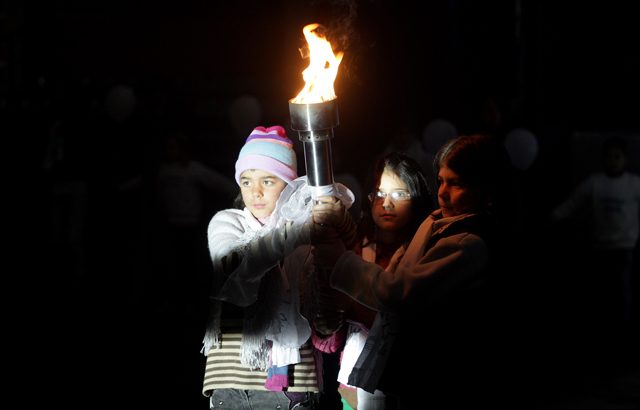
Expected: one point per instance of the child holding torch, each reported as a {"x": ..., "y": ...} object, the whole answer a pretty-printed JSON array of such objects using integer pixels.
[
  {"x": 434, "y": 300},
  {"x": 258, "y": 348}
]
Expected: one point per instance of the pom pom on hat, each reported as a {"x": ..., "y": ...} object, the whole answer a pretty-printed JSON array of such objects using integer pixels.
[{"x": 270, "y": 150}]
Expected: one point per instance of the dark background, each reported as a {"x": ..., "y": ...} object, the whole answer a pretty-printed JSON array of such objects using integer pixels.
[
  {"x": 566, "y": 71},
  {"x": 553, "y": 68}
]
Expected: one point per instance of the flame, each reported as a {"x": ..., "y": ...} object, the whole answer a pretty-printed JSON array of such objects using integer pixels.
[{"x": 321, "y": 71}]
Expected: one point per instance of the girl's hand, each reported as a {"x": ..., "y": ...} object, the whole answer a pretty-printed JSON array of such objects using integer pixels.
[
  {"x": 328, "y": 211},
  {"x": 331, "y": 221}
]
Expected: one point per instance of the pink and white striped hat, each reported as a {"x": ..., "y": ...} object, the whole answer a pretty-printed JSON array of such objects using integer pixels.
[{"x": 268, "y": 149}]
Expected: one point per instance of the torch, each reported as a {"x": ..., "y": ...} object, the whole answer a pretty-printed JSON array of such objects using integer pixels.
[
  {"x": 314, "y": 115},
  {"x": 314, "y": 111}
]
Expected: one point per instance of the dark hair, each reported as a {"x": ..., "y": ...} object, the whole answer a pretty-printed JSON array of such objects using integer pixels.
[
  {"x": 482, "y": 163},
  {"x": 238, "y": 202},
  {"x": 411, "y": 173}
]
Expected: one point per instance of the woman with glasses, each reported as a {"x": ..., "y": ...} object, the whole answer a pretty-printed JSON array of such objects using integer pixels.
[
  {"x": 431, "y": 344},
  {"x": 398, "y": 201}
]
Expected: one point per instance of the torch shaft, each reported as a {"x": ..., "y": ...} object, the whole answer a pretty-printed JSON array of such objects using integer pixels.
[
  {"x": 318, "y": 157},
  {"x": 314, "y": 124}
]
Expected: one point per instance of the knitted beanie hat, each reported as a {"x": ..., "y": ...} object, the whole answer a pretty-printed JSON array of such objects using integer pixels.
[{"x": 270, "y": 150}]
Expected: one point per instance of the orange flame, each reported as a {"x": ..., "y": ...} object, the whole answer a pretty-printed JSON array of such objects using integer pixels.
[{"x": 321, "y": 71}]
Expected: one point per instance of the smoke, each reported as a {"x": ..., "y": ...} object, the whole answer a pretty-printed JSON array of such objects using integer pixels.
[
  {"x": 341, "y": 27},
  {"x": 341, "y": 30}
]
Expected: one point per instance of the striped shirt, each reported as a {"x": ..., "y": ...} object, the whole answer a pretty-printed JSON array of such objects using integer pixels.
[{"x": 224, "y": 370}]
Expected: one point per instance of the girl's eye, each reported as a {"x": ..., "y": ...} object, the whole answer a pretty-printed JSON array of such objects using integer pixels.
[
  {"x": 400, "y": 195},
  {"x": 267, "y": 182}
]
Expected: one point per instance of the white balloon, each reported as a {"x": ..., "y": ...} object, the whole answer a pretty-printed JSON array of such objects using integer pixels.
[
  {"x": 245, "y": 114},
  {"x": 522, "y": 146},
  {"x": 436, "y": 134},
  {"x": 120, "y": 102}
]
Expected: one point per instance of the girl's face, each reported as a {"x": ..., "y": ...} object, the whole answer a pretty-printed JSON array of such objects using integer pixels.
[
  {"x": 454, "y": 196},
  {"x": 260, "y": 191},
  {"x": 391, "y": 214}
]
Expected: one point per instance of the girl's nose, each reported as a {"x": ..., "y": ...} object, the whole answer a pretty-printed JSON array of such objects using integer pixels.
[
  {"x": 442, "y": 191},
  {"x": 257, "y": 192}
]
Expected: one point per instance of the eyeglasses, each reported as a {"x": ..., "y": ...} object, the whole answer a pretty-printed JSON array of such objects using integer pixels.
[{"x": 395, "y": 196}]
